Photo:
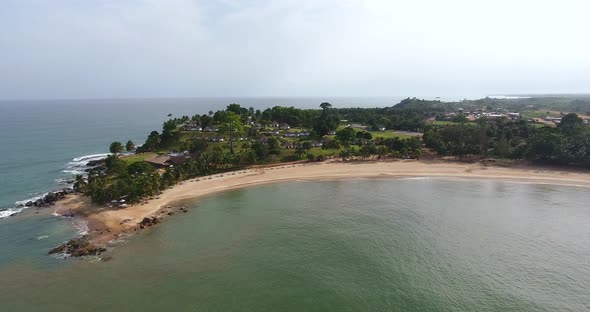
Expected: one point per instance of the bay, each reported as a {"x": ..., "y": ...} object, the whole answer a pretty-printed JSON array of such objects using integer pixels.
[{"x": 360, "y": 245}]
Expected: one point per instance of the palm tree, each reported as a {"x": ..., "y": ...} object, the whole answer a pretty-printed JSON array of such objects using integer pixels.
[
  {"x": 130, "y": 146},
  {"x": 299, "y": 150},
  {"x": 80, "y": 184},
  {"x": 116, "y": 148},
  {"x": 307, "y": 147}
]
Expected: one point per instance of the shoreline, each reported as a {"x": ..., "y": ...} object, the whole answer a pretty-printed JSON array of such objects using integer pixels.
[{"x": 107, "y": 224}]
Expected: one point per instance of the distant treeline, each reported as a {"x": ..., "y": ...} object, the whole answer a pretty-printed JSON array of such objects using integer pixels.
[{"x": 566, "y": 144}]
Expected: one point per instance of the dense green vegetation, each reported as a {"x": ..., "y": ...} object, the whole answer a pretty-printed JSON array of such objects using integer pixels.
[
  {"x": 238, "y": 137},
  {"x": 252, "y": 138},
  {"x": 566, "y": 144}
]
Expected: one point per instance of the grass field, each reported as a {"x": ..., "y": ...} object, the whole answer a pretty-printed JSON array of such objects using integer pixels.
[
  {"x": 389, "y": 134},
  {"x": 449, "y": 123},
  {"x": 138, "y": 157}
]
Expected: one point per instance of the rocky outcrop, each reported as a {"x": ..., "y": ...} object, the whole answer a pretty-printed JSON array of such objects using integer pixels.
[
  {"x": 78, "y": 247},
  {"x": 95, "y": 163},
  {"x": 148, "y": 221},
  {"x": 49, "y": 199}
]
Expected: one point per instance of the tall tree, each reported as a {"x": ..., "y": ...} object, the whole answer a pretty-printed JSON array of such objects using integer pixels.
[
  {"x": 570, "y": 123},
  {"x": 116, "y": 148},
  {"x": 152, "y": 142},
  {"x": 346, "y": 135},
  {"x": 327, "y": 121},
  {"x": 231, "y": 125},
  {"x": 130, "y": 146}
]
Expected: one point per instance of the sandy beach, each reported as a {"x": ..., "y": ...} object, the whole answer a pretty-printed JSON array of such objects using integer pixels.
[{"x": 106, "y": 223}]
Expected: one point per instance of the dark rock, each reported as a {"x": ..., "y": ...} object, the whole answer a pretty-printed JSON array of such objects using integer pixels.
[
  {"x": 29, "y": 203},
  {"x": 50, "y": 197},
  {"x": 149, "y": 221},
  {"x": 58, "y": 249},
  {"x": 94, "y": 163},
  {"x": 20, "y": 206},
  {"x": 183, "y": 209},
  {"x": 106, "y": 259},
  {"x": 170, "y": 213},
  {"x": 78, "y": 247}
]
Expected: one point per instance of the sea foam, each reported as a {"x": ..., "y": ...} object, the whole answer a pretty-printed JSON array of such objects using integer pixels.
[
  {"x": 8, "y": 212},
  {"x": 77, "y": 166}
]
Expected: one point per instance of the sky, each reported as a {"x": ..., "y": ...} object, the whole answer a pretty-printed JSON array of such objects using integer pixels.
[{"x": 53, "y": 49}]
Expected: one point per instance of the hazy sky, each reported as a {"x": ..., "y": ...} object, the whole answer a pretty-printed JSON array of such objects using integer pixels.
[{"x": 179, "y": 48}]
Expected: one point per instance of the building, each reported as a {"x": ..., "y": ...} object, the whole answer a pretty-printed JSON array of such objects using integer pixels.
[
  {"x": 211, "y": 129},
  {"x": 263, "y": 139},
  {"x": 285, "y": 126},
  {"x": 216, "y": 139},
  {"x": 192, "y": 126},
  {"x": 553, "y": 119},
  {"x": 164, "y": 161},
  {"x": 357, "y": 126}
]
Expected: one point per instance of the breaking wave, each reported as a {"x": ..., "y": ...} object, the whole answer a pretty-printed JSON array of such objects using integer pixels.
[
  {"x": 7, "y": 212},
  {"x": 79, "y": 165},
  {"x": 76, "y": 166}
]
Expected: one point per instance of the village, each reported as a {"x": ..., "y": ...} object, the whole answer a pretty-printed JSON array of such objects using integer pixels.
[
  {"x": 551, "y": 119},
  {"x": 290, "y": 139}
]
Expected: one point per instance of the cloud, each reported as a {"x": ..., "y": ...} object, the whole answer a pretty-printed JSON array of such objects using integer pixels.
[{"x": 143, "y": 48}]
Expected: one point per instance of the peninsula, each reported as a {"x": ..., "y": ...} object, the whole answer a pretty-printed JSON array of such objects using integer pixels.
[{"x": 238, "y": 147}]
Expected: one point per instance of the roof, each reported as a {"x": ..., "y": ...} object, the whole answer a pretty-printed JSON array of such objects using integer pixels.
[
  {"x": 178, "y": 159},
  {"x": 159, "y": 160}
]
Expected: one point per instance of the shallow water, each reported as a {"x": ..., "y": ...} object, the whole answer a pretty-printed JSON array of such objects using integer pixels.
[{"x": 363, "y": 245}]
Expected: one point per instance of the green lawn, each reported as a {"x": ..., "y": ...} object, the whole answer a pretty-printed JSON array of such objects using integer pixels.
[
  {"x": 449, "y": 123},
  {"x": 537, "y": 125},
  {"x": 539, "y": 114},
  {"x": 389, "y": 134},
  {"x": 138, "y": 157}
]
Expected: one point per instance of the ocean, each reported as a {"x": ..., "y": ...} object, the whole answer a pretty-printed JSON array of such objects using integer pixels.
[
  {"x": 44, "y": 142},
  {"x": 360, "y": 245}
]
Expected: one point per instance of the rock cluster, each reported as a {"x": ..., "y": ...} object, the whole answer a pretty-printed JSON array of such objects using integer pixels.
[
  {"x": 78, "y": 247},
  {"x": 48, "y": 199},
  {"x": 148, "y": 221}
]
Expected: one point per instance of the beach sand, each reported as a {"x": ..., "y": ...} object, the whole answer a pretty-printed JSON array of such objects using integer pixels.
[{"x": 106, "y": 223}]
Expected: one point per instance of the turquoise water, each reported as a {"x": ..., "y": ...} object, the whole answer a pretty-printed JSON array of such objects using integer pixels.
[
  {"x": 362, "y": 245},
  {"x": 39, "y": 141}
]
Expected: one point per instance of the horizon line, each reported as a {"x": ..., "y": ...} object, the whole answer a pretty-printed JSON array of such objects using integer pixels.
[{"x": 547, "y": 94}]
